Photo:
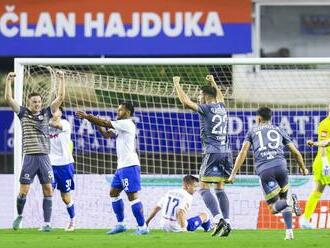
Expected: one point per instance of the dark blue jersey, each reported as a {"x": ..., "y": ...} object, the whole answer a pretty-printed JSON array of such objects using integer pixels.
[
  {"x": 268, "y": 142},
  {"x": 214, "y": 128}
]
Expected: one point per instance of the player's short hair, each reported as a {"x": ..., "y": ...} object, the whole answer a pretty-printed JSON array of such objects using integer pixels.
[
  {"x": 265, "y": 113},
  {"x": 33, "y": 94},
  {"x": 209, "y": 90},
  {"x": 190, "y": 179},
  {"x": 129, "y": 106}
]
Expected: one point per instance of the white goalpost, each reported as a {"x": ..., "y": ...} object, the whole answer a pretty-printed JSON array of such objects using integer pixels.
[{"x": 168, "y": 143}]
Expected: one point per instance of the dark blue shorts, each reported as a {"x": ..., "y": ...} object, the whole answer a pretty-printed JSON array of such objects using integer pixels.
[
  {"x": 274, "y": 182},
  {"x": 216, "y": 167},
  {"x": 127, "y": 179},
  {"x": 63, "y": 178},
  {"x": 194, "y": 223},
  {"x": 36, "y": 164}
]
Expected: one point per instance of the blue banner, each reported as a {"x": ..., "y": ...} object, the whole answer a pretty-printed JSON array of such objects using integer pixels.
[
  {"x": 179, "y": 132},
  {"x": 125, "y": 28}
]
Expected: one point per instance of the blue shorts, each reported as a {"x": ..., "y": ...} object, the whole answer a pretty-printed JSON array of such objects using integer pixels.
[
  {"x": 274, "y": 182},
  {"x": 194, "y": 223},
  {"x": 63, "y": 178},
  {"x": 216, "y": 167},
  {"x": 127, "y": 179}
]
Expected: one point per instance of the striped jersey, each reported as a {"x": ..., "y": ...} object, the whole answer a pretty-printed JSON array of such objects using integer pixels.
[{"x": 35, "y": 130}]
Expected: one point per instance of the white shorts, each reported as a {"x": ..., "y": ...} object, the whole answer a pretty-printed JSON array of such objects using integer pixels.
[{"x": 171, "y": 225}]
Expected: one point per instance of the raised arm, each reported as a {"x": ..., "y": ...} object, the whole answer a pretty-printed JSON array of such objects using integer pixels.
[
  {"x": 9, "y": 94},
  {"x": 220, "y": 97},
  {"x": 183, "y": 97},
  {"x": 54, "y": 106},
  {"x": 56, "y": 124},
  {"x": 294, "y": 151},
  {"x": 152, "y": 214},
  {"x": 94, "y": 119},
  {"x": 239, "y": 160}
]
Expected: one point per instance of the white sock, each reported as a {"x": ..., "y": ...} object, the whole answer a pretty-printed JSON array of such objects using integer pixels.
[{"x": 216, "y": 218}]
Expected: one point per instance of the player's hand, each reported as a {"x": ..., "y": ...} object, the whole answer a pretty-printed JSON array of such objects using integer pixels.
[
  {"x": 210, "y": 78},
  {"x": 230, "y": 179},
  {"x": 323, "y": 143},
  {"x": 176, "y": 79},
  {"x": 60, "y": 73},
  {"x": 81, "y": 115},
  {"x": 304, "y": 171},
  {"x": 310, "y": 142},
  {"x": 10, "y": 76}
]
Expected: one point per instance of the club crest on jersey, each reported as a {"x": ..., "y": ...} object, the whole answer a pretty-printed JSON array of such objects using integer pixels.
[
  {"x": 40, "y": 117},
  {"x": 215, "y": 169},
  {"x": 324, "y": 134},
  {"x": 271, "y": 184}
]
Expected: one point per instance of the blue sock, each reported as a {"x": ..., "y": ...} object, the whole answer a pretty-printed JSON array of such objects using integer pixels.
[
  {"x": 287, "y": 216},
  {"x": 206, "y": 225},
  {"x": 279, "y": 205},
  {"x": 118, "y": 208},
  {"x": 70, "y": 209},
  {"x": 137, "y": 210}
]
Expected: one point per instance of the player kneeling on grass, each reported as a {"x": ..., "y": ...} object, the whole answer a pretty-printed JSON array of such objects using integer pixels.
[
  {"x": 62, "y": 162},
  {"x": 268, "y": 142},
  {"x": 175, "y": 205}
]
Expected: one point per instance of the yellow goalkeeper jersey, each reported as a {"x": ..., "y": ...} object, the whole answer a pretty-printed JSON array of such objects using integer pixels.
[{"x": 323, "y": 134}]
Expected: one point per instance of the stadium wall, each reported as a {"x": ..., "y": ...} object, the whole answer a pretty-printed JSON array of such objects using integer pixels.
[{"x": 93, "y": 205}]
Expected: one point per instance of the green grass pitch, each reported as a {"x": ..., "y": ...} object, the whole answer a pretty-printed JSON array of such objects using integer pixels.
[{"x": 31, "y": 238}]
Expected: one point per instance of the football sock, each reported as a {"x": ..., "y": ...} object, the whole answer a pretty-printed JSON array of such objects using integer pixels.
[
  {"x": 137, "y": 210},
  {"x": 206, "y": 225},
  {"x": 47, "y": 207},
  {"x": 118, "y": 208},
  {"x": 313, "y": 199},
  {"x": 287, "y": 216},
  {"x": 70, "y": 209},
  {"x": 20, "y": 203},
  {"x": 223, "y": 202},
  {"x": 279, "y": 205},
  {"x": 210, "y": 201}
]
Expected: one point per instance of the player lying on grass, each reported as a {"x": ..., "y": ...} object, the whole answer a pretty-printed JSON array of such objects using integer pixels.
[
  {"x": 62, "y": 162},
  {"x": 127, "y": 176},
  {"x": 268, "y": 142},
  {"x": 321, "y": 170},
  {"x": 217, "y": 157},
  {"x": 36, "y": 146},
  {"x": 174, "y": 207}
]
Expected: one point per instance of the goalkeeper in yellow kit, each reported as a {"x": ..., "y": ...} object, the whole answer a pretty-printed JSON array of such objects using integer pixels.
[{"x": 321, "y": 169}]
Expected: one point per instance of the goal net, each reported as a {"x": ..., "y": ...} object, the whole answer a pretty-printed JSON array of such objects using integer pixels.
[{"x": 168, "y": 140}]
